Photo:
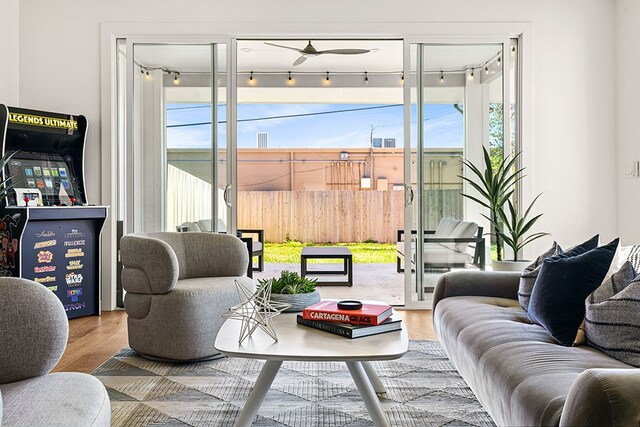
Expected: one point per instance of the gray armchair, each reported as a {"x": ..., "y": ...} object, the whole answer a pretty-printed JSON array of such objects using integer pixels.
[
  {"x": 177, "y": 287},
  {"x": 33, "y": 335}
]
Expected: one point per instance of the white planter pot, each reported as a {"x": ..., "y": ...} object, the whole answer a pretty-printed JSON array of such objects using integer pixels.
[
  {"x": 510, "y": 265},
  {"x": 297, "y": 301}
]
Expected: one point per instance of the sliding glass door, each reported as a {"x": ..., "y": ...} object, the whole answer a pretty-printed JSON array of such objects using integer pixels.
[
  {"x": 178, "y": 149},
  {"x": 454, "y": 106}
]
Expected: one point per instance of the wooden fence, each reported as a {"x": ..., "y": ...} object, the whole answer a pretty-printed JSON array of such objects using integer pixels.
[{"x": 337, "y": 216}]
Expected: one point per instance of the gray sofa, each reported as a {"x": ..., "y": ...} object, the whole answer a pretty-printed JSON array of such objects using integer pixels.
[
  {"x": 33, "y": 335},
  {"x": 178, "y": 285},
  {"x": 517, "y": 371}
]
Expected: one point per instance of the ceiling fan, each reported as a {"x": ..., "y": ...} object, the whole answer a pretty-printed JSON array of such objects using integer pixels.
[{"x": 311, "y": 51}]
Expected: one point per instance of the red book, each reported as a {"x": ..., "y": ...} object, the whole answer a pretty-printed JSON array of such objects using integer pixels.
[{"x": 328, "y": 311}]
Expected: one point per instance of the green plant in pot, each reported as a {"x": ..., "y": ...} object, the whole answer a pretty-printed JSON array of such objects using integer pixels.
[
  {"x": 292, "y": 289},
  {"x": 495, "y": 186}
]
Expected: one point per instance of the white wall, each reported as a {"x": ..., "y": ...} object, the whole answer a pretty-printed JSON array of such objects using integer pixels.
[
  {"x": 9, "y": 49},
  {"x": 628, "y": 116},
  {"x": 572, "y": 157}
]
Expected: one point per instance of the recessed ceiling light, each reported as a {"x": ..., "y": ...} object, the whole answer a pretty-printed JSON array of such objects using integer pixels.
[{"x": 246, "y": 49}]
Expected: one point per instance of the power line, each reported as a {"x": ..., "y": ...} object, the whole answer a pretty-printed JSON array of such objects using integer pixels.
[{"x": 288, "y": 116}]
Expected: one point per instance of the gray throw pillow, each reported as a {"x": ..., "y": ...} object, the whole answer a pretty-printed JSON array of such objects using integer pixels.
[
  {"x": 614, "y": 284},
  {"x": 530, "y": 273},
  {"x": 634, "y": 257},
  {"x": 613, "y": 325}
]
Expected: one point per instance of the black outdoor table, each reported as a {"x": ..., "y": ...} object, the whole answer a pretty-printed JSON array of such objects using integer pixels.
[{"x": 328, "y": 252}]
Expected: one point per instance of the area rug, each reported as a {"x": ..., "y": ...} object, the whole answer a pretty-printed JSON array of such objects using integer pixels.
[{"x": 422, "y": 389}]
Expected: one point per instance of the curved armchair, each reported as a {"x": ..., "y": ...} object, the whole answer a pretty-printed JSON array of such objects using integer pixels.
[
  {"x": 178, "y": 285},
  {"x": 33, "y": 335}
]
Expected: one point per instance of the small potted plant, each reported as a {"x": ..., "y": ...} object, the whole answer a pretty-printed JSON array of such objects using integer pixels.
[
  {"x": 292, "y": 289},
  {"x": 495, "y": 186}
]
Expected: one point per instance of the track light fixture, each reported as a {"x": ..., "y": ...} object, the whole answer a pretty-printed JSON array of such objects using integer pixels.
[
  {"x": 366, "y": 77},
  {"x": 176, "y": 78},
  {"x": 499, "y": 60},
  {"x": 486, "y": 69},
  {"x": 471, "y": 75},
  {"x": 441, "y": 76},
  {"x": 290, "y": 80},
  {"x": 402, "y": 78},
  {"x": 252, "y": 81}
]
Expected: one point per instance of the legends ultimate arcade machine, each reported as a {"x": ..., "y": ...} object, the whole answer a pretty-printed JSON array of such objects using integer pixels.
[{"x": 48, "y": 231}]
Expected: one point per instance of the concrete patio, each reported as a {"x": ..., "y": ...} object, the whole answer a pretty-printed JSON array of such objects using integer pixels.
[{"x": 370, "y": 281}]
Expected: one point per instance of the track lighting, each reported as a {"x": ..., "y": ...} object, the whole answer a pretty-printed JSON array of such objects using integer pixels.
[
  {"x": 513, "y": 49},
  {"x": 290, "y": 80},
  {"x": 176, "y": 79},
  {"x": 252, "y": 81},
  {"x": 402, "y": 78},
  {"x": 486, "y": 69},
  {"x": 471, "y": 75},
  {"x": 366, "y": 78},
  {"x": 499, "y": 60},
  {"x": 441, "y": 77},
  {"x": 327, "y": 80}
]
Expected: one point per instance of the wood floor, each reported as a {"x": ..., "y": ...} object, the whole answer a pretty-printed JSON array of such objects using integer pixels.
[{"x": 94, "y": 339}]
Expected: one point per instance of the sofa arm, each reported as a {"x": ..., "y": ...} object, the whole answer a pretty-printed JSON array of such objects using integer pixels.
[
  {"x": 150, "y": 265},
  {"x": 603, "y": 397},
  {"x": 476, "y": 283}
]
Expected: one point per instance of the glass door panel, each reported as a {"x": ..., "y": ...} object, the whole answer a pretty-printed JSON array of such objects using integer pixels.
[{"x": 453, "y": 101}]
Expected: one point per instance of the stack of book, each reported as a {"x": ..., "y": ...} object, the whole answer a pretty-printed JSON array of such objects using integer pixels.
[{"x": 371, "y": 319}]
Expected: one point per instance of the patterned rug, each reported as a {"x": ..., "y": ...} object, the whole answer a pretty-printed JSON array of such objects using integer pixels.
[{"x": 423, "y": 389}]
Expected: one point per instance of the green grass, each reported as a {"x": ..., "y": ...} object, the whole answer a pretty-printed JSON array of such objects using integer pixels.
[{"x": 364, "y": 253}]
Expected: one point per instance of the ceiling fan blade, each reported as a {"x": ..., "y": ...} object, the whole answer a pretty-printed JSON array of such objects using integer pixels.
[
  {"x": 286, "y": 47},
  {"x": 299, "y": 60},
  {"x": 344, "y": 51}
]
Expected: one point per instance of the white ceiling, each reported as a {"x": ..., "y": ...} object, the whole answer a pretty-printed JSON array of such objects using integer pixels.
[{"x": 254, "y": 55}]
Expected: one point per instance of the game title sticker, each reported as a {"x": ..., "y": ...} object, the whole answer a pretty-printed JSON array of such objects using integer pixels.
[
  {"x": 74, "y": 294},
  {"x": 45, "y": 244},
  {"x": 73, "y": 279},
  {"x": 45, "y": 279},
  {"x": 44, "y": 269},
  {"x": 45, "y": 256},
  {"x": 74, "y": 234},
  {"x": 75, "y": 264},
  {"x": 73, "y": 253},
  {"x": 76, "y": 306},
  {"x": 74, "y": 242},
  {"x": 53, "y": 288},
  {"x": 47, "y": 233}
]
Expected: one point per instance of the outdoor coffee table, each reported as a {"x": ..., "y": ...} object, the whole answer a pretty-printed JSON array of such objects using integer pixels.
[
  {"x": 328, "y": 252},
  {"x": 301, "y": 343}
]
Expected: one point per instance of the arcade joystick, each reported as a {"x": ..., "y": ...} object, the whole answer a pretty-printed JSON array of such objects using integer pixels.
[
  {"x": 73, "y": 200},
  {"x": 26, "y": 200}
]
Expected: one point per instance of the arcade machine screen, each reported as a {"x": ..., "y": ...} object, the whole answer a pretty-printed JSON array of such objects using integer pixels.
[{"x": 45, "y": 172}]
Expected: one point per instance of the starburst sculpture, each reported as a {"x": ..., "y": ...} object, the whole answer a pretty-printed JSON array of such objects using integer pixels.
[{"x": 255, "y": 310}]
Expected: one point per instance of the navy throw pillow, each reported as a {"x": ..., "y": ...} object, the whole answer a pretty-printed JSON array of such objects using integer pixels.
[
  {"x": 563, "y": 284},
  {"x": 590, "y": 244}
]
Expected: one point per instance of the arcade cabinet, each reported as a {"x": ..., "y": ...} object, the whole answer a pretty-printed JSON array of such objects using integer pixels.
[{"x": 49, "y": 232}]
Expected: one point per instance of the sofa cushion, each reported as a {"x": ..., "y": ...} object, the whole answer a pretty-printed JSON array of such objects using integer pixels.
[
  {"x": 613, "y": 324},
  {"x": 516, "y": 369},
  {"x": 530, "y": 273},
  {"x": 60, "y": 399},
  {"x": 557, "y": 300}
]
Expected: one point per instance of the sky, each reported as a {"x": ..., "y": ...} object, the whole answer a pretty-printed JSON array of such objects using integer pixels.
[{"x": 320, "y": 126}]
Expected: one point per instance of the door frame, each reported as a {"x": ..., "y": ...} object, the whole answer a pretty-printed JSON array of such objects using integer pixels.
[{"x": 204, "y": 32}]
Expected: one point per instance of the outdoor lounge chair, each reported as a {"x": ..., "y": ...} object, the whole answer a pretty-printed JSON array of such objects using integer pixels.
[{"x": 447, "y": 246}]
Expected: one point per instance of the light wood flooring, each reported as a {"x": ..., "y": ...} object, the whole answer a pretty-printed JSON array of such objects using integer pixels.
[{"x": 94, "y": 339}]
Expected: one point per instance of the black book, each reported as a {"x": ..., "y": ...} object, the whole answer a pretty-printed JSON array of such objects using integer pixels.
[{"x": 348, "y": 330}]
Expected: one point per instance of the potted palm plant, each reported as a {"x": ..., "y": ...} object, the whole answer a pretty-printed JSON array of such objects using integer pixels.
[
  {"x": 292, "y": 289},
  {"x": 495, "y": 186}
]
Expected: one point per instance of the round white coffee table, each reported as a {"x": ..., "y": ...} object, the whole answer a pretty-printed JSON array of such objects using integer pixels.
[{"x": 301, "y": 343}]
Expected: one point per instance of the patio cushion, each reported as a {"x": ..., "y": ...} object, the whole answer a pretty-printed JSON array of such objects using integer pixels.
[
  {"x": 438, "y": 254},
  {"x": 445, "y": 227},
  {"x": 256, "y": 247},
  {"x": 464, "y": 230}
]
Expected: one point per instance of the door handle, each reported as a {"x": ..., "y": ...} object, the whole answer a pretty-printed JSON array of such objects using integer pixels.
[
  {"x": 409, "y": 193},
  {"x": 225, "y": 195}
]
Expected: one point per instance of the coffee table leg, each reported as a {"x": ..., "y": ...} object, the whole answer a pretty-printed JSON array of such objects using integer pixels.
[
  {"x": 365, "y": 388},
  {"x": 260, "y": 389},
  {"x": 373, "y": 377}
]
